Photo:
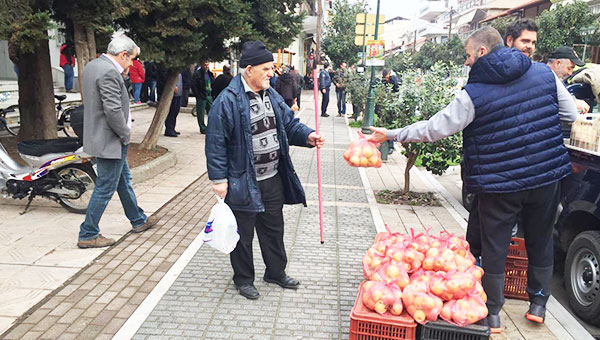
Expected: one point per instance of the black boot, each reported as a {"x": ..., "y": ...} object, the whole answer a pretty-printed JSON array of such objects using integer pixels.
[{"x": 536, "y": 313}]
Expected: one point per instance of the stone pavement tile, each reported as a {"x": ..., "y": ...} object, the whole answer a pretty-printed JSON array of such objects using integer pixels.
[
  {"x": 111, "y": 287},
  {"x": 14, "y": 301}
]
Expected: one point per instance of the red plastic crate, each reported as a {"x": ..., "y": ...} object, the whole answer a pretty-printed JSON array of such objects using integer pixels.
[
  {"x": 366, "y": 324},
  {"x": 515, "y": 270}
]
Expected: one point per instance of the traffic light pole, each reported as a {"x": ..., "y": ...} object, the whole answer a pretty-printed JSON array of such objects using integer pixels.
[{"x": 369, "y": 118}]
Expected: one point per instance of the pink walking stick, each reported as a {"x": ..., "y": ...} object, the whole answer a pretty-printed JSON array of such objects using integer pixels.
[{"x": 316, "y": 92}]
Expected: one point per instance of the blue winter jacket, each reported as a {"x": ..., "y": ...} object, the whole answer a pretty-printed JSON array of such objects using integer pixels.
[
  {"x": 229, "y": 152},
  {"x": 514, "y": 142},
  {"x": 324, "y": 80}
]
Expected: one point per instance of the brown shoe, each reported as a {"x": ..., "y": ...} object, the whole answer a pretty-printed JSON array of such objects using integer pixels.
[
  {"x": 97, "y": 242},
  {"x": 150, "y": 222}
]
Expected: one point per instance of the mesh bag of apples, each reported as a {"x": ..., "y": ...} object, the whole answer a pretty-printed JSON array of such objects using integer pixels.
[
  {"x": 363, "y": 153},
  {"x": 428, "y": 276}
]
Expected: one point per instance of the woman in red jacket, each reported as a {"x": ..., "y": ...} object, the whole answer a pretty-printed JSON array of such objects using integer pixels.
[
  {"x": 67, "y": 62},
  {"x": 137, "y": 76}
]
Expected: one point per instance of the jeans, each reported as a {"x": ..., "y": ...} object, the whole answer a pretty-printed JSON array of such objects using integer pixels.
[
  {"x": 341, "y": 102},
  {"x": 68, "y": 77},
  {"x": 137, "y": 88},
  {"x": 113, "y": 175},
  {"x": 152, "y": 91}
]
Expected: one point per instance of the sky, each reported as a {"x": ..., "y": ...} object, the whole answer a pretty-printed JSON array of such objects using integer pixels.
[{"x": 394, "y": 8}]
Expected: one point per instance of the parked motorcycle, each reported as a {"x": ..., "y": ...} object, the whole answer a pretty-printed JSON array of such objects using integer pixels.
[{"x": 56, "y": 169}]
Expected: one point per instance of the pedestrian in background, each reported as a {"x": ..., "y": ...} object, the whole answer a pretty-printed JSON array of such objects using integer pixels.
[
  {"x": 509, "y": 112},
  {"x": 340, "y": 89},
  {"x": 324, "y": 85},
  {"x": 202, "y": 87},
  {"x": 186, "y": 83},
  {"x": 150, "y": 82},
  {"x": 107, "y": 132},
  {"x": 174, "y": 109},
  {"x": 67, "y": 62},
  {"x": 222, "y": 81},
  {"x": 299, "y": 85},
  {"x": 137, "y": 76},
  {"x": 286, "y": 87},
  {"x": 256, "y": 183},
  {"x": 522, "y": 35}
]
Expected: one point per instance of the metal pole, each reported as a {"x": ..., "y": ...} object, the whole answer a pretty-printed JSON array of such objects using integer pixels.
[
  {"x": 365, "y": 42},
  {"x": 369, "y": 118}
]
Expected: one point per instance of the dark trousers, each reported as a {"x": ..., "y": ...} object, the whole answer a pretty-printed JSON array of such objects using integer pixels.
[
  {"x": 325, "y": 101},
  {"x": 341, "y": 101},
  {"x": 185, "y": 93},
  {"x": 172, "y": 116},
  {"x": 269, "y": 228},
  {"x": 474, "y": 229},
  {"x": 289, "y": 102},
  {"x": 298, "y": 97},
  {"x": 498, "y": 214}
]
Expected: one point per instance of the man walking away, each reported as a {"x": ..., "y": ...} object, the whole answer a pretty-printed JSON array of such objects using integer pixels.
[
  {"x": 299, "y": 85},
  {"x": 324, "y": 85},
  {"x": 256, "y": 182},
  {"x": 186, "y": 84},
  {"x": 340, "y": 89},
  {"x": 509, "y": 113},
  {"x": 286, "y": 87},
  {"x": 222, "y": 81},
  {"x": 107, "y": 130}
]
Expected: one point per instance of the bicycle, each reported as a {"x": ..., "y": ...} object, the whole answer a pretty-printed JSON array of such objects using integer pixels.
[
  {"x": 63, "y": 116},
  {"x": 6, "y": 122}
]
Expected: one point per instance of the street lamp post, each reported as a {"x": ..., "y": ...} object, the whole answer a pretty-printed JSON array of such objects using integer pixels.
[{"x": 369, "y": 119}]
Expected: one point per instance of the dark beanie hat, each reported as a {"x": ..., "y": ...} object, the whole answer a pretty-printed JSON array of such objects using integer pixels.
[{"x": 255, "y": 53}]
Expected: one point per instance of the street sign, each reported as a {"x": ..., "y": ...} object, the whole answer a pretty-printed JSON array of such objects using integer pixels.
[
  {"x": 360, "y": 18},
  {"x": 358, "y": 39},
  {"x": 360, "y": 29}
]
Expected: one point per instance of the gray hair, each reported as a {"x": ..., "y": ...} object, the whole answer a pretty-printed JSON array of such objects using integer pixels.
[
  {"x": 122, "y": 43},
  {"x": 487, "y": 37}
]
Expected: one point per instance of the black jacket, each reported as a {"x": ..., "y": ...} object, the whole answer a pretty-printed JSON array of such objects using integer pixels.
[
  {"x": 221, "y": 83},
  {"x": 287, "y": 87},
  {"x": 199, "y": 85}
]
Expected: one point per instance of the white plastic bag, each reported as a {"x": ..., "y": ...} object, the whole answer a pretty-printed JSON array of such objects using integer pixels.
[{"x": 221, "y": 230}]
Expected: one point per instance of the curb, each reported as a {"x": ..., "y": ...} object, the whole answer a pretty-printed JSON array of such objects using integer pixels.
[{"x": 154, "y": 167}]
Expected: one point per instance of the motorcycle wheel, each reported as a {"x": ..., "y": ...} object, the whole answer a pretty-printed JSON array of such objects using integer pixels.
[
  {"x": 64, "y": 122},
  {"x": 82, "y": 173}
]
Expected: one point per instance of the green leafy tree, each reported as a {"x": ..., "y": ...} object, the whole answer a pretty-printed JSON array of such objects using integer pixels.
[
  {"x": 274, "y": 22},
  {"x": 83, "y": 20},
  {"x": 567, "y": 24},
  {"x": 25, "y": 24},
  {"x": 176, "y": 34},
  {"x": 451, "y": 51},
  {"x": 357, "y": 86},
  {"x": 420, "y": 97},
  {"x": 338, "y": 41},
  {"x": 400, "y": 62},
  {"x": 501, "y": 24}
]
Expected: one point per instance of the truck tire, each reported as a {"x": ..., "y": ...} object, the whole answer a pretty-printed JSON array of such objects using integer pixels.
[{"x": 582, "y": 276}]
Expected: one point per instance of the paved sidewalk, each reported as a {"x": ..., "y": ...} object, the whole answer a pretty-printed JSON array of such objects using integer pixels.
[
  {"x": 104, "y": 299},
  {"x": 38, "y": 251}
]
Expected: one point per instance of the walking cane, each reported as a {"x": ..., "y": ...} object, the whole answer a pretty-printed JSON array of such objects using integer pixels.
[{"x": 316, "y": 95}]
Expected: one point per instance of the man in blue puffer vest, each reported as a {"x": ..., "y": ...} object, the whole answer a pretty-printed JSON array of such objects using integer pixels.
[
  {"x": 248, "y": 135},
  {"x": 509, "y": 112}
]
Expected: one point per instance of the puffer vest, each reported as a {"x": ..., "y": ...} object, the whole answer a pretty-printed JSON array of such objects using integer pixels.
[{"x": 515, "y": 141}]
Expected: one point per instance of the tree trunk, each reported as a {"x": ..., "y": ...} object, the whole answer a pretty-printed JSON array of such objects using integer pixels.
[
  {"x": 161, "y": 113},
  {"x": 85, "y": 49},
  {"x": 36, "y": 94},
  {"x": 411, "y": 158}
]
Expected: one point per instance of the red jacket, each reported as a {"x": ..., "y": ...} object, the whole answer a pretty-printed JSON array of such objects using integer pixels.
[
  {"x": 63, "y": 59},
  {"x": 136, "y": 72}
]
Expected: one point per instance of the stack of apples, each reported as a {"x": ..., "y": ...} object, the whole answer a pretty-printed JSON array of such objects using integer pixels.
[
  {"x": 428, "y": 276},
  {"x": 363, "y": 153}
]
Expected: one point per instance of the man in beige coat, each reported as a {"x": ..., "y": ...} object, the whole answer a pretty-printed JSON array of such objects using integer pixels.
[{"x": 106, "y": 133}]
